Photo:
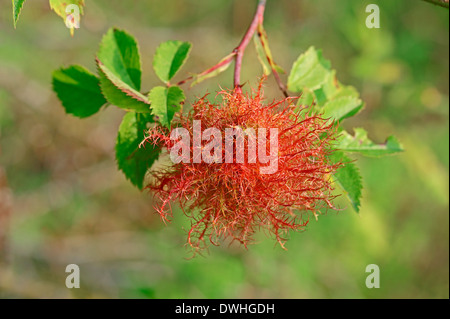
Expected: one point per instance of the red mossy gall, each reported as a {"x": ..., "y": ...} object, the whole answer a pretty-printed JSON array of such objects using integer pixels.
[{"x": 233, "y": 200}]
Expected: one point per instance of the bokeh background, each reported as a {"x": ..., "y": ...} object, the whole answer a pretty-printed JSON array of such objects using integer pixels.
[{"x": 62, "y": 200}]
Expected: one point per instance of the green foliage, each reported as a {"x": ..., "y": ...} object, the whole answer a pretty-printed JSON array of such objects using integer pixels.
[
  {"x": 404, "y": 220},
  {"x": 119, "y": 69},
  {"x": 348, "y": 178},
  {"x": 17, "y": 8},
  {"x": 78, "y": 90},
  {"x": 166, "y": 102},
  {"x": 133, "y": 159},
  {"x": 332, "y": 89},
  {"x": 342, "y": 107},
  {"x": 312, "y": 75},
  {"x": 119, "y": 93},
  {"x": 119, "y": 52},
  {"x": 59, "y": 6},
  {"x": 169, "y": 58},
  {"x": 360, "y": 143},
  {"x": 119, "y": 65},
  {"x": 309, "y": 71},
  {"x": 336, "y": 100},
  {"x": 307, "y": 98}
]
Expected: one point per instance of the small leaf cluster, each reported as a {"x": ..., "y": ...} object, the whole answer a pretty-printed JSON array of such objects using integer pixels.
[
  {"x": 118, "y": 82},
  {"x": 313, "y": 77}
]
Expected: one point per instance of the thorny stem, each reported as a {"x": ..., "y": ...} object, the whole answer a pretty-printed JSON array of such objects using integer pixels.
[
  {"x": 225, "y": 61},
  {"x": 257, "y": 20},
  {"x": 238, "y": 54}
]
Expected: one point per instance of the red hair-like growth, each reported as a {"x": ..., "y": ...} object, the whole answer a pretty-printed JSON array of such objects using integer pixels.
[{"x": 233, "y": 200}]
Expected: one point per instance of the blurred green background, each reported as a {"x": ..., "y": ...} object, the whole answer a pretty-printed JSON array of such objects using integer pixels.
[{"x": 69, "y": 204}]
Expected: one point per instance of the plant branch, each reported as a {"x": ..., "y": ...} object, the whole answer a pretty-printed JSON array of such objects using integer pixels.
[
  {"x": 219, "y": 65},
  {"x": 280, "y": 83},
  {"x": 441, "y": 3},
  {"x": 238, "y": 53},
  {"x": 264, "y": 42},
  {"x": 257, "y": 20}
]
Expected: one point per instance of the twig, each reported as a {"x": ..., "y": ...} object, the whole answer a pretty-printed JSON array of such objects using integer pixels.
[
  {"x": 238, "y": 54},
  {"x": 258, "y": 19},
  {"x": 223, "y": 62},
  {"x": 281, "y": 85}
]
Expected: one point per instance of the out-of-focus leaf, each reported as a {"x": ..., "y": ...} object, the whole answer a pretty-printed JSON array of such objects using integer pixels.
[
  {"x": 17, "y": 8},
  {"x": 307, "y": 98},
  {"x": 66, "y": 9}
]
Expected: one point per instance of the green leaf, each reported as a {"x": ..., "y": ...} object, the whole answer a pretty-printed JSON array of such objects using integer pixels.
[
  {"x": 166, "y": 102},
  {"x": 310, "y": 71},
  {"x": 169, "y": 58},
  {"x": 17, "y": 8},
  {"x": 119, "y": 64},
  {"x": 348, "y": 179},
  {"x": 312, "y": 75},
  {"x": 79, "y": 91},
  {"x": 360, "y": 143},
  {"x": 307, "y": 98},
  {"x": 119, "y": 52},
  {"x": 328, "y": 89},
  {"x": 342, "y": 107},
  {"x": 132, "y": 159},
  {"x": 216, "y": 70},
  {"x": 60, "y": 6},
  {"x": 335, "y": 100},
  {"x": 119, "y": 93},
  {"x": 345, "y": 91}
]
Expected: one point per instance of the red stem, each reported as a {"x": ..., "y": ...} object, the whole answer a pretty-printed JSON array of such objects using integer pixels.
[
  {"x": 210, "y": 70},
  {"x": 237, "y": 53},
  {"x": 258, "y": 19}
]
